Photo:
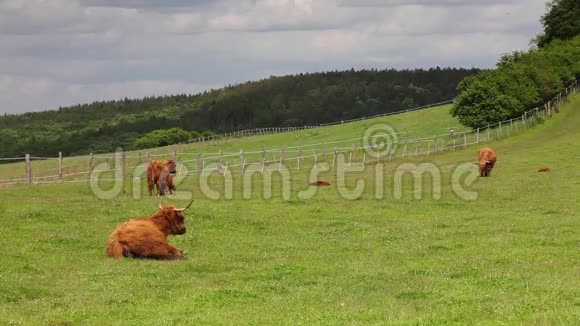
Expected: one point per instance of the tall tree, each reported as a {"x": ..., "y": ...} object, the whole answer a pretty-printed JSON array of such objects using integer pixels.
[{"x": 562, "y": 21}]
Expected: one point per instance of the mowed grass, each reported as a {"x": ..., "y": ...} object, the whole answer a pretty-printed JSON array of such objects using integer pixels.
[
  {"x": 422, "y": 123},
  {"x": 511, "y": 256}
]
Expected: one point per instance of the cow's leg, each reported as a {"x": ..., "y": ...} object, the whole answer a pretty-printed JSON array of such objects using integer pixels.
[
  {"x": 160, "y": 189},
  {"x": 169, "y": 252},
  {"x": 156, "y": 248},
  {"x": 150, "y": 187}
]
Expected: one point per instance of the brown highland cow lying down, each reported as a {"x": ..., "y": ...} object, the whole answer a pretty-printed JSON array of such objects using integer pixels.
[{"x": 146, "y": 237}]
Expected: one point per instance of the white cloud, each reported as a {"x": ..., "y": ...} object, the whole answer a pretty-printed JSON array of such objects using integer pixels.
[{"x": 61, "y": 52}]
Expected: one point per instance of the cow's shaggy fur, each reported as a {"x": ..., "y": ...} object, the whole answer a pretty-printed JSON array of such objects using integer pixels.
[
  {"x": 146, "y": 237},
  {"x": 487, "y": 159},
  {"x": 159, "y": 176}
]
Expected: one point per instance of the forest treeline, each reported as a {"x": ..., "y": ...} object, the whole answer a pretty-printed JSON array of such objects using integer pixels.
[
  {"x": 523, "y": 80},
  {"x": 293, "y": 100}
]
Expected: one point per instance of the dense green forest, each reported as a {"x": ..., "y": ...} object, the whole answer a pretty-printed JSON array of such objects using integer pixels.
[
  {"x": 524, "y": 80},
  {"x": 294, "y": 100}
]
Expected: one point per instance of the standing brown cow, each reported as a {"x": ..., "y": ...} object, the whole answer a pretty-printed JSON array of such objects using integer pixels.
[
  {"x": 146, "y": 237},
  {"x": 487, "y": 158},
  {"x": 159, "y": 176}
]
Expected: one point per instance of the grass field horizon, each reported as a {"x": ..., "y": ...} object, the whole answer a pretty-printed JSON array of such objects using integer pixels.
[{"x": 510, "y": 256}]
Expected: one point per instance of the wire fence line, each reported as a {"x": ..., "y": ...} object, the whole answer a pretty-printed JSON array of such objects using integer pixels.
[{"x": 123, "y": 167}]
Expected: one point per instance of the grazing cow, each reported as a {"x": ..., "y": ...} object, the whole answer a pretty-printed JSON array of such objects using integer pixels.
[
  {"x": 487, "y": 158},
  {"x": 146, "y": 237},
  {"x": 165, "y": 182},
  {"x": 159, "y": 172}
]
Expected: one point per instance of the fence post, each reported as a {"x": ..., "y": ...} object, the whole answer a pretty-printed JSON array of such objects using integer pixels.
[
  {"x": 477, "y": 137},
  {"x": 91, "y": 166},
  {"x": 123, "y": 165},
  {"x": 405, "y": 150},
  {"x": 334, "y": 158},
  {"x": 281, "y": 159},
  {"x": 315, "y": 156},
  {"x": 60, "y": 166},
  {"x": 524, "y": 120},
  {"x": 364, "y": 158},
  {"x": 428, "y": 148},
  {"x": 435, "y": 143},
  {"x": 500, "y": 130},
  {"x": 417, "y": 148},
  {"x": 299, "y": 157},
  {"x": 464, "y": 139},
  {"x": 263, "y": 159},
  {"x": 487, "y": 132},
  {"x": 242, "y": 161},
  {"x": 199, "y": 163},
  {"x": 28, "y": 169},
  {"x": 174, "y": 154},
  {"x": 354, "y": 149}
]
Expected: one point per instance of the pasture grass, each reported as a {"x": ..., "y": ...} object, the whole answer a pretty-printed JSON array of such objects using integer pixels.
[{"x": 511, "y": 256}]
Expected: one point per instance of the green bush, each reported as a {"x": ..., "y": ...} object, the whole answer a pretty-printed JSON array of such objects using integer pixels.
[
  {"x": 163, "y": 137},
  {"x": 521, "y": 81}
]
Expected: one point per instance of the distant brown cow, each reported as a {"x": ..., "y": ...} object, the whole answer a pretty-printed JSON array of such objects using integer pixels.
[
  {"x": 487, "y": 158},
  {"x": 159, "y": 172},
  {"x": 146, "y": 237},
  {"x": 320, "y": 183},
  {"x": 165, "y": 182}
]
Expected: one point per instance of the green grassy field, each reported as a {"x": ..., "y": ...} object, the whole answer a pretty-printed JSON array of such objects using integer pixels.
[{"x": 511, "y": 256}]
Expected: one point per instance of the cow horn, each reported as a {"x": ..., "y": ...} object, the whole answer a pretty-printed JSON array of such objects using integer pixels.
[
  {"x": 186, "y": 207},
  {"x": 160, "y": 205}
]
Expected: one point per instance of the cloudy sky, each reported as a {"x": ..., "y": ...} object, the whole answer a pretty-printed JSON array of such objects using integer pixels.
[{"x": 62, "y": 52}]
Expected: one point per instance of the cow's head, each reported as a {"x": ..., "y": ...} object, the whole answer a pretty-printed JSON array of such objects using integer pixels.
[
  {"x": 175, "y": 217},
  {"x": 171, "y": 166},
  {"x": 489, "y": 164}
]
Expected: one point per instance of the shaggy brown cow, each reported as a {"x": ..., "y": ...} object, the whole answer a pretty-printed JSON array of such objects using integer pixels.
[
  {"x": 487, "y": 158},
  {"x": 155, "y": 169},
  {"x": 165, "y": 182},
  {"x": 146, "y": 237}
]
